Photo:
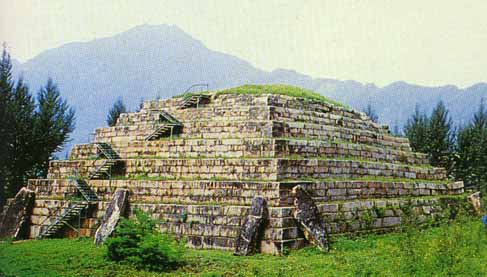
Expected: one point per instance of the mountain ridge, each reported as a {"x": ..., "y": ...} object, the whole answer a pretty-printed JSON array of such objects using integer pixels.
[{"x": 150, "y": 61}]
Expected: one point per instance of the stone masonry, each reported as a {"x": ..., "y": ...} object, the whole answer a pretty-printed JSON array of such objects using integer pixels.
[{"x": 199, "y": 182}]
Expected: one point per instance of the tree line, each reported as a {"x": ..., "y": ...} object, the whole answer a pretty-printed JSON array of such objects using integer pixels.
[
  {"x": 461, "y": 150},
  {"x": 32, "y": 129}
]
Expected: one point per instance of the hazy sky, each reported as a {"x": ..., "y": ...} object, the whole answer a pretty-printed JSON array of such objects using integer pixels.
[{"x": 425, "y": 42}]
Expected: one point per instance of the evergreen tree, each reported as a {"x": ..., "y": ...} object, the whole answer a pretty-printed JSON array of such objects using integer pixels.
[
  {"x": 416, "y": 130},
  {"x": 480, "y": 117},
  {"x": 114, "y": 113},
  {"x": 23, "y": 144},
  {"x": 471, "y": 151},
  {"x": 467, "y": 156},
  {"x": 432, "y": 135},
  {"x": 6, "y": 87},
  {"x": 370, "y": 112},
  {"x": 440, "y": 136},
  {"x": 29, "y": 133},
  {"x": 53, "y": 124}
]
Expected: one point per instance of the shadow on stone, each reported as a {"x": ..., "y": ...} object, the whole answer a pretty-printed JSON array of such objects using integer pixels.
[{"x": 252, "y": 228}]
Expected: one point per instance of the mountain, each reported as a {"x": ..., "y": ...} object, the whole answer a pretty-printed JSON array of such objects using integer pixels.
[{"x": 160, "y": 61}]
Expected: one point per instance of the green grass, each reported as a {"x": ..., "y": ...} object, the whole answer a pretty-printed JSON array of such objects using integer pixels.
[
  {"x": 274, "y": 89},
  {"x": 188, "y": 94},
  {"x": 281, "y": 90},
  {"x": 455, "y": 249}
]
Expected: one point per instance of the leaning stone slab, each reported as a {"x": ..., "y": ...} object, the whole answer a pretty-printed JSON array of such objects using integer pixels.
[
  {"x": 251, "y": 229},
  {"x": 307, "y": 215},
  {"x": 14, "y": 220},
  {"x": 116, "y": 209}
]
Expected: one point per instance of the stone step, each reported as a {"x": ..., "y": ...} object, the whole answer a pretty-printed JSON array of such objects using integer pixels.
[
  {"x": 254, "y": 148},
  {"x": 62, "y": 220},
  {"x": 259, "y": 168},
  {"x": 246, "y": 129}
]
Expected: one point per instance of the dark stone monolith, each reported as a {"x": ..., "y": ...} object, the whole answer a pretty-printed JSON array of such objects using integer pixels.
[
  {"x": 15, "y": 218},
  {"x": 308, "y": 217},
  {"x": 252, "y": 228},
  {"x": 116, "y": 209}
]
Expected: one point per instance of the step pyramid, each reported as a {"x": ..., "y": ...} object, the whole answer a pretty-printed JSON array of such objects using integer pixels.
[{"x": 253, "y": 141}]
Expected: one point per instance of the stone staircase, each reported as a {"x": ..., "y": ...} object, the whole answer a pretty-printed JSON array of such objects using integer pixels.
[
  {"x": 163, "y": 130},
  {"x": 194, "y": 100},
  {"x": 167, "y": 117},
  {"x": 69, "y": 215},
  {"x": 85, "y": 190},
  {"x": 169, "y": 126},
  {"x": 73, "y": 211},
  {"x": 104, "y": 170},
  {"x": 106, "y": 150}
]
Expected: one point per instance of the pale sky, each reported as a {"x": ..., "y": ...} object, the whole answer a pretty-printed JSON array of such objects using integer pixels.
[{"x": 425, "y": 42}]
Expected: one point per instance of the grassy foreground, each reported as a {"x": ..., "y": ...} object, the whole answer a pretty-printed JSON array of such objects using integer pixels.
[{"x": 457, "y": 249}]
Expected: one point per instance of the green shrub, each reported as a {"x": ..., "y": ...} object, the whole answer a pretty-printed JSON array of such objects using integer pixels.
[{"x": 136, "y": 242}]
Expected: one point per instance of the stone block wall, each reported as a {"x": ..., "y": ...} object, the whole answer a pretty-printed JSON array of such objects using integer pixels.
[
  {"x": 336, "y": 149},
  {"x": 336, "y": 133},
  {"x": 216, "y": 226},
  {"x": 180, "y": 148},
  {"x": 252, "y": 148},
  {"x": 333, "y": 190},
  {"x": 248, "y": 168},
  {"x": 152, "y": 191},
  {"x": 352, "y": 169},
  {"x": 227, "y": 115},
  {"x": 199, "y": 169}
]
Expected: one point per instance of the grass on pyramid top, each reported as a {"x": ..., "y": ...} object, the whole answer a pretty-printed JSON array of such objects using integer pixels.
[{"x": 273, "y": 89}]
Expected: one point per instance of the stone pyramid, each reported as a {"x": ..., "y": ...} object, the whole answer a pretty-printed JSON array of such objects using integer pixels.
[{"x": 196, "y": 162}]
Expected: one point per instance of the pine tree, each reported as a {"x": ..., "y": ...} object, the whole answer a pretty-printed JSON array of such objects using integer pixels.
[
  {"x": 471, "y": 151},
  {"x": 467, "y": 156},
  {"x": 21, "y": 161},
  {"x": 6, "y": 87},
  {"x": 29, "y": 133},
  {"x": 480, "y": 117},
  {"x": 54, "y": 122},
  {"x": 482, "y": 166},
  {"x": 416, "y": 130},
  {"x": 114, "y": 113},
  {"x": 440, "y": 136},
  {"x": 370, "y": 112}
]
